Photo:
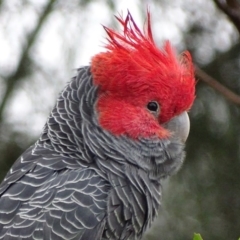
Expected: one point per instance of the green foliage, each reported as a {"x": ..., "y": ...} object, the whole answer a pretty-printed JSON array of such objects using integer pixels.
[{"x": 197, "y": 236}]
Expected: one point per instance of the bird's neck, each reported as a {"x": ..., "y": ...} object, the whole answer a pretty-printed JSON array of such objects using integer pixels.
[{"x": 134, "y": 198}]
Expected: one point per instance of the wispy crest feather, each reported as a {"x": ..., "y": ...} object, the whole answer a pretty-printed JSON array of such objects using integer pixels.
[{"x": 131, "y": 36}]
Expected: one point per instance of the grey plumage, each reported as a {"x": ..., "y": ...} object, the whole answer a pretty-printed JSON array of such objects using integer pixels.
[{"x": 81, "y": 182}]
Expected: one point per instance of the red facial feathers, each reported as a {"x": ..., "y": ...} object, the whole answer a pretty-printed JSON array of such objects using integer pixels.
[{"x": 132, "y": 72}]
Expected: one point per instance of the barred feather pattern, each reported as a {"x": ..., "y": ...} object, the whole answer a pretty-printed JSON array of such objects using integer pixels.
[{"x": 79, "y": 182}]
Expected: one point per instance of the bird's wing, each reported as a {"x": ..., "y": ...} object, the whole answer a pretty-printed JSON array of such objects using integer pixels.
[
  {"x": 43, "y": 203},
  {"x": 22, "y": 165}
]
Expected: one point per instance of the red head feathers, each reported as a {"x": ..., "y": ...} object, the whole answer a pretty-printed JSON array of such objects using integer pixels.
[{"x": 133, "y": 72}]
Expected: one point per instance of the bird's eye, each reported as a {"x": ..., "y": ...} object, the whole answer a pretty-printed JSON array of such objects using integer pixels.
[{"x": 153, "y": 106}]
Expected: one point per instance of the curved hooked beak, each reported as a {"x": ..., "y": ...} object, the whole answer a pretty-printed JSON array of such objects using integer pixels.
[{"x": 179, "y": 126}]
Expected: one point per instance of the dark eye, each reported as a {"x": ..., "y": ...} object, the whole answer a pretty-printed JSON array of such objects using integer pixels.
[{"x": 153, "y": 106}]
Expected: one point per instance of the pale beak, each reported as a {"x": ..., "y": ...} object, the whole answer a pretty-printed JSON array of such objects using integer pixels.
[{"x": 179, "y": 126}]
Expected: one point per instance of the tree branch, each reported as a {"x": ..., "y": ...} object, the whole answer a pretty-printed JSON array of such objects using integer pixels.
[
  {"x": 217, "y": 86},
  {"x": 22, "y": 67},
  {"x": 232, "y": 9}
]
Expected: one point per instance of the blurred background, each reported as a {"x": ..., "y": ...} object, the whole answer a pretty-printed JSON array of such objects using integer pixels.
[{"x": 42, "y": 42}]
